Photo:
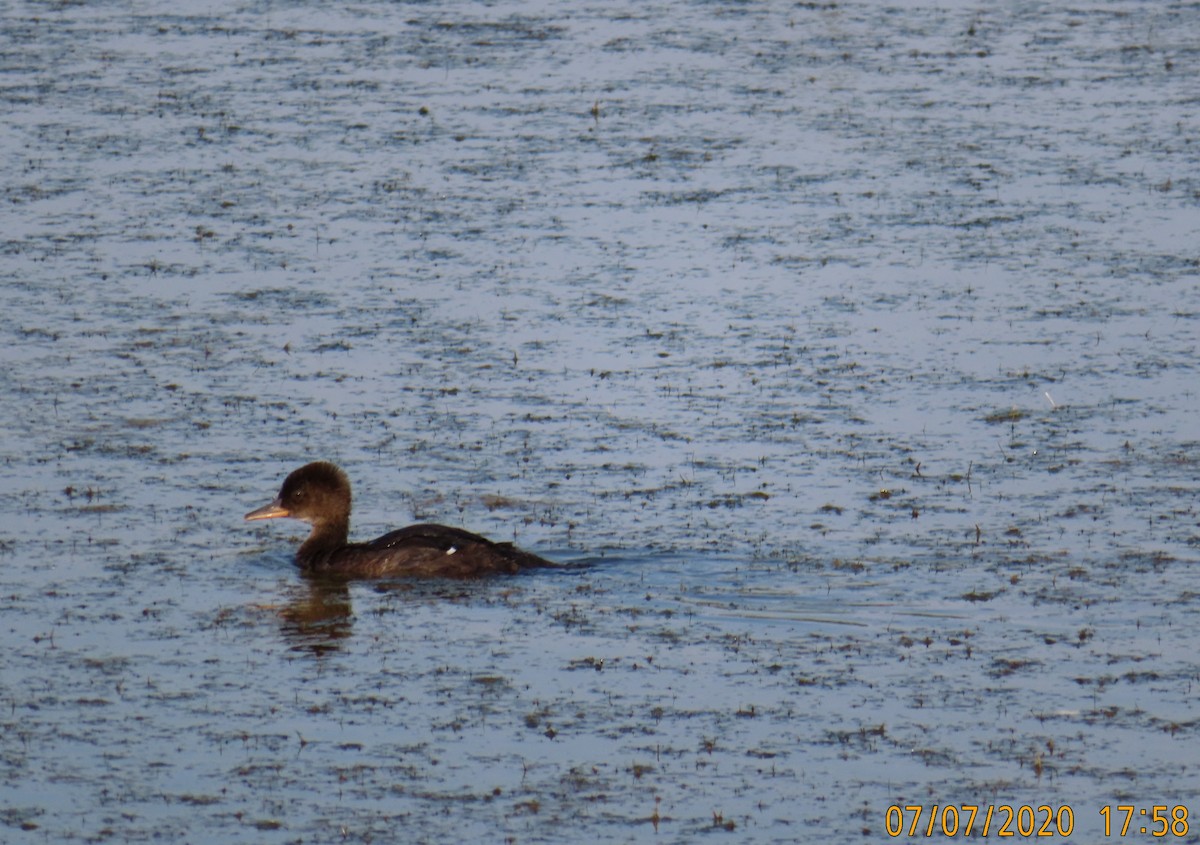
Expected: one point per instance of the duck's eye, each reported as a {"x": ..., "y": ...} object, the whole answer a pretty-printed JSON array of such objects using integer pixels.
[{"x": 297, "y": 495}]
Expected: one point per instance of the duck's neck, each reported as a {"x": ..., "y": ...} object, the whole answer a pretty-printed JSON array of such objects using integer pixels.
[{"x": 327, "y": 537}]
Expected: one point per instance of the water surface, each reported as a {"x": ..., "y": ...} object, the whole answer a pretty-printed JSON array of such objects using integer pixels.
[{"x": 847, "y": 350}]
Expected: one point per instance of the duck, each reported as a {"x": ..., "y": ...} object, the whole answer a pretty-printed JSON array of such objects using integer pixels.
[{"x": 319, "y": 493}]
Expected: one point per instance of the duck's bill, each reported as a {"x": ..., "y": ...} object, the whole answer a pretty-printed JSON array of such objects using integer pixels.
[{"x": 275, "y": 510}]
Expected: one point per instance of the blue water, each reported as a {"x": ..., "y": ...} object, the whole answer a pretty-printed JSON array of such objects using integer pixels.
[{"x": 847, "y": 351}]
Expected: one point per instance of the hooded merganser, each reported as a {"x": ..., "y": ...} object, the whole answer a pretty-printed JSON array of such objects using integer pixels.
[{"x": 319, "y": 494}]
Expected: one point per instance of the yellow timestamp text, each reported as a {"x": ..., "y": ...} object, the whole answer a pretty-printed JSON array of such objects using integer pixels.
[
  {"x": 978, "y": 819},
  {"x": 1158, "y": 821},
  {"x": 912, "y": 820}
]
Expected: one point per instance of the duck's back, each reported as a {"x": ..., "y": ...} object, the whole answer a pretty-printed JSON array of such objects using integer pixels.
[{"x": 428, "y": 550}]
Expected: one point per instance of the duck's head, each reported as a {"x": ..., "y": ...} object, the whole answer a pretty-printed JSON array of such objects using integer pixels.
[{"x": 317, "y": 493}]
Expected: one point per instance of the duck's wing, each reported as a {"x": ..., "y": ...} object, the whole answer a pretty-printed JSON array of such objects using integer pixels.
[
  {"x": 452, "y": 552},
  {"x": 433, "y": 537}
]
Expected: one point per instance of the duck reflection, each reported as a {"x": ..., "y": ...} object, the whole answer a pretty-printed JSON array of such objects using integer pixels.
[{"x": 319, "y": 616}]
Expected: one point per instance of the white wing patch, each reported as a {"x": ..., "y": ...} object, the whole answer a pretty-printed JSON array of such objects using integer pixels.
[{"x": 451, "y": 550}]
